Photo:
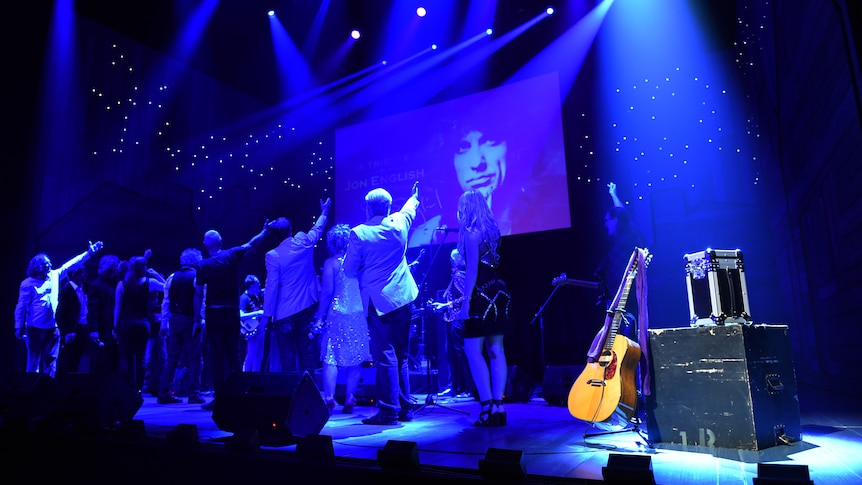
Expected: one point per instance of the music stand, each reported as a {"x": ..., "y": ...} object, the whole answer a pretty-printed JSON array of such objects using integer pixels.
[
  {"x": 556, "y": 282},
  {"x": 430, "y": 398},
  {"x": 539, "y": 315}
]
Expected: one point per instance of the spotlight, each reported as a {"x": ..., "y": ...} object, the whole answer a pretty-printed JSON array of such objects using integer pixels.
[
  {"x": 316, "y": 448},
  {"x": 500, "y": 464},
  {"x": 399, "y": 455},
  {"x": 768, "y": 473},
  {"x": 433, "y": 47},
  {"x": 550, "y": 11},
  {"x": 489, "y": 31},
  {"x": 271, "y": 13},
  {"x": 421, "y": 11},
  {"x": 184, "y": 434},
  {"x": 632, "y": 469},
  {"x": 243, "y": 441},
  {"x": 132, "y": 430},
  {"x": 355, "y": 34}
]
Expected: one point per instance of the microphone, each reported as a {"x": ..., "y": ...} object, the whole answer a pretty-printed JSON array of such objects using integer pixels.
[{"x": 447, "y": 229}]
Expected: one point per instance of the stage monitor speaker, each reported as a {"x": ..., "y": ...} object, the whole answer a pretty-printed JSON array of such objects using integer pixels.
[
  {"x": 95, "y": 400},
  {"x": 519, "y": 386},
  {"x": 558, "y": 381},
  {"x": 26, "y": 397},
  {"x": 280, "y": 406},
  {"x": 724, "y": 386}
]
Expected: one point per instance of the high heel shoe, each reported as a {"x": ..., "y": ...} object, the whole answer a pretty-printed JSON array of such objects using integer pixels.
[
  {"x": 486, "y": 417},
  {"x": 348, "y": 405},
  {"x": 330, "y": 404},
  {"x": 499, "y": 416}
]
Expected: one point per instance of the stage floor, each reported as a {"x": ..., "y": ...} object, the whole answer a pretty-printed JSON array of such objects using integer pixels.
[{"x": 557, "y": 447}]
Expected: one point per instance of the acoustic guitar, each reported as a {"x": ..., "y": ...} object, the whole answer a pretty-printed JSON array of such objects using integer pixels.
[{"x": 608, "y": 385}]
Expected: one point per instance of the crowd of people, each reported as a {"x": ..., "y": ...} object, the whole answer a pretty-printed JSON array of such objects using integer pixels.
[
  {"x": 185, "y": 332},
  {"x": 176, "y": 335}
]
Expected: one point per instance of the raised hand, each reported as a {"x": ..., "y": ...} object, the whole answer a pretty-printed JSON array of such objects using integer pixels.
[
  {"x": 94, "y": 247},
  {"x": 324, "y": 205},
  {"x": 612, "y": 190}
]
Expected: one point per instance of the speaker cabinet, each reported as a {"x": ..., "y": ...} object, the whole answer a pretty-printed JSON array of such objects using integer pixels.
[
  {"x": 558, "y": 381},
  {"x": 280, "y": 406},
  {"x": 95, "y": 400},
  {"x": 519, "y": 386},
  {"x": 729, "y": 386},
  {"x": 26, "y": 397}
]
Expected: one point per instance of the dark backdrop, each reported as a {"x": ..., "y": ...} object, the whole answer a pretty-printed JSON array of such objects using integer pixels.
[{"x": 806, "y": 95}]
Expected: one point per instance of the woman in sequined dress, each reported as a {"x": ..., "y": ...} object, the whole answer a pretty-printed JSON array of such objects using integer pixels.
[
  {"x": 486, "y": 317},
  {"x": 344, "y": 342}
]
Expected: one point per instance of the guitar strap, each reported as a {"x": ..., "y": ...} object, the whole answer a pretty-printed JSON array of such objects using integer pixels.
[
  {"x": 643, "y": 319},
  {"x": 643, "y": 322}
]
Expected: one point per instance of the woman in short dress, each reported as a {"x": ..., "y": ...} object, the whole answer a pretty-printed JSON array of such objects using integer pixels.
[
  {"x": 344, "y": 341},
  {"x": 486, "y": 318}
]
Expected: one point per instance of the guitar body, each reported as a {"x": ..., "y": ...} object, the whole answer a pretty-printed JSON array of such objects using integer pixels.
[
  {"x": 248, "y": 327},
  {"x": 608, "y": 384}
]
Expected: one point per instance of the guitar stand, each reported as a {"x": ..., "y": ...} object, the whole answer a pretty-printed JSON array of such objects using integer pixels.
[
  {"x": 635, "y": 428},
  {"x": 540, "y": 316}
]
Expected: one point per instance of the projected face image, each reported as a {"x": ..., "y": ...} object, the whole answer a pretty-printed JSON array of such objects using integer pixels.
[
  {"x": 480, "y": 163},
  {"x": 505, "y": 143}
]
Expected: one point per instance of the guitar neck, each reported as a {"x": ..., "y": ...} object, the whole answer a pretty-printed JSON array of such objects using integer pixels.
[
  {"x": 580, "y": 283},
  {"x": 620, "y": 309}
]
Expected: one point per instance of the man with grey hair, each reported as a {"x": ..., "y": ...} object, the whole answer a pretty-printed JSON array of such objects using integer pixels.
[
  {"x": 219, "y": 275},
  {"x": 376, "y": 255}
]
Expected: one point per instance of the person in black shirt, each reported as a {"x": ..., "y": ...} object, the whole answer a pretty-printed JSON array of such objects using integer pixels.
[
  {"x": 181, "y": 328},
  {"x": 623, "y": 238},
  {"x": 100, "y": 315},
  {"x": 218, "y": 284}
]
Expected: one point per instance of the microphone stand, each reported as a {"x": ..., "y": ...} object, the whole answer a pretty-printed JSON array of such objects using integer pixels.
[
  {"x": 542, "y": 326},
  {"x": 431, "y": 400}
]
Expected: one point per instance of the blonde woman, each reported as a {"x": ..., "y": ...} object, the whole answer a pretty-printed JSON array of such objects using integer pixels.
[
  {"x": 486, "y": 317},
  {"x": 344, "y": 340}
]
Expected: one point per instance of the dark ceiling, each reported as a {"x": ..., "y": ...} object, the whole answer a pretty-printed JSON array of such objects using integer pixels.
[{"x": 237, "y": 46}]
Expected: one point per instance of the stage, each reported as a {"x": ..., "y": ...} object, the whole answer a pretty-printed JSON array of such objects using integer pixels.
[{"x": 542, "y": 443}]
